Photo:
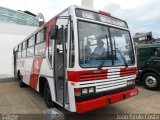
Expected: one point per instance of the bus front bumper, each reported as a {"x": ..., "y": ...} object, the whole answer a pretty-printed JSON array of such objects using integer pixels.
[{"x": 104, "y": 101}]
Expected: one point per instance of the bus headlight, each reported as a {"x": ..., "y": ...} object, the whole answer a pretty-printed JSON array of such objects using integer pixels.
[
  {"x": 130, "y": 82},
  {"x": 88, "y": 90},
  {"x": 91, "y": 90},
  {"x": 84, "y": 91}
]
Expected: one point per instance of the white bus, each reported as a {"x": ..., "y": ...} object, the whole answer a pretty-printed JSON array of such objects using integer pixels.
[{"x": 82, "y": 59}]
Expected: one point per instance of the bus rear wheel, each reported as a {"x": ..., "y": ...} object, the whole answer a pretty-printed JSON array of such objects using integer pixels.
[
  {"x": 151, "y": 81},
  {"x": 21, "y": 84},
  {"x": 47, "y": 96}
]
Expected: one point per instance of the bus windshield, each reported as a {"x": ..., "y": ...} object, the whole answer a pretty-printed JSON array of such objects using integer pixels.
[{"x": 97, "y": 46}]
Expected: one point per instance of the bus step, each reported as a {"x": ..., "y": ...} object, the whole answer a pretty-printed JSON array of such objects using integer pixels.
[{"x": 53, "y": 114}]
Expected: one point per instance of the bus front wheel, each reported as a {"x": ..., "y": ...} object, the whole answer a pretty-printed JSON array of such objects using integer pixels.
[
  {"x": 151, "y": 81},
  {"x": 47, "y": 96}
]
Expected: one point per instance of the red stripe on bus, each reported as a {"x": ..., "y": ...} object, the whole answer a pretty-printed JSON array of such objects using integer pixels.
[
  {"x": 36, "y": 67},
  {"x": 77, "y": 76},
  {"x": 128, "y": 71},
  {"x": 91, "y": 104}
]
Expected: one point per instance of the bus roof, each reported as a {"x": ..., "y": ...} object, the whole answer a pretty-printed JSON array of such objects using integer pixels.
[{"x": 72, "y": 6}]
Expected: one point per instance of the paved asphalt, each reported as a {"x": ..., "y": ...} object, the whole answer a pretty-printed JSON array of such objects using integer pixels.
[{"x": 16, "y": 100}]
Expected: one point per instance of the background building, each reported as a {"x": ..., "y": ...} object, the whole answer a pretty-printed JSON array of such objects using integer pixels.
[
  {"x": 18, "y": 17},
  {"x": 14, "y": 27},
  {"x": 143, "y": 38}
]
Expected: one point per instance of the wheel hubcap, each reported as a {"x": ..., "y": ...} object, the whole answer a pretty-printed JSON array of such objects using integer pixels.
[{"x": 151, "y": 81}]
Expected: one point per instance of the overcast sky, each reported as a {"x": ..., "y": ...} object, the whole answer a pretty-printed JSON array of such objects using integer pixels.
[{"x": 142, "y": 16}]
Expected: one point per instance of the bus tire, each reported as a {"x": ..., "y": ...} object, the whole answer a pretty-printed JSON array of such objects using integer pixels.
[
  {"x": 21, "y": 83},
  {"x": 151, "y": 81},
  {"x": 47, "y": 96}
]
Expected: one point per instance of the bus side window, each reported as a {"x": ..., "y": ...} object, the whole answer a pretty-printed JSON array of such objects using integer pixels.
[
  {"x": 19, "y": 51},
  {"x": 41, "y": 36},
  {"x": 24, "y": 49},
  {"x": 19, "y": 55},
  {"x": 59, "y": 41},
  {"x": 30, "y": 46},
  {"x": 40, "y": 47}
]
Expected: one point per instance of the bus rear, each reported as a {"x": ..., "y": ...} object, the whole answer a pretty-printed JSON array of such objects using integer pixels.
[{"x": 103, "y": 71}]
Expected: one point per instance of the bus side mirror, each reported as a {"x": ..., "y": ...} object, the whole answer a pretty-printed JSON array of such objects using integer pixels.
[{"x": 53, "y": 32}]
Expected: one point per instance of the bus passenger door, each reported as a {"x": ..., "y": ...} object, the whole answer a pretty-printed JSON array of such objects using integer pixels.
[{"x": 60, "y": 62}]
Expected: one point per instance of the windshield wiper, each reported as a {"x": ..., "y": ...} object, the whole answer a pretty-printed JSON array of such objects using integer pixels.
[
  {"x": 102, "y": 63},
  {"x": 125, "y": 62}
]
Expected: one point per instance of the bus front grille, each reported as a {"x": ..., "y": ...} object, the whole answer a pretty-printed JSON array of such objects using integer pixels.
[
  {"x": 113, "y": 83},
  {"x": 108, "y": 84}
]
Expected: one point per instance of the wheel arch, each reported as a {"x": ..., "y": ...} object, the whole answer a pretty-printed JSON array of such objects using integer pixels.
[
  {"x": 42, "y": 81},
  {"x": 147, "y": 71},
  {"x": 18, "y": 72}
]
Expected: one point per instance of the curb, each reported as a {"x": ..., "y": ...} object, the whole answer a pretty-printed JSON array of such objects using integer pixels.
[{"x": 8, "y": 79}]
